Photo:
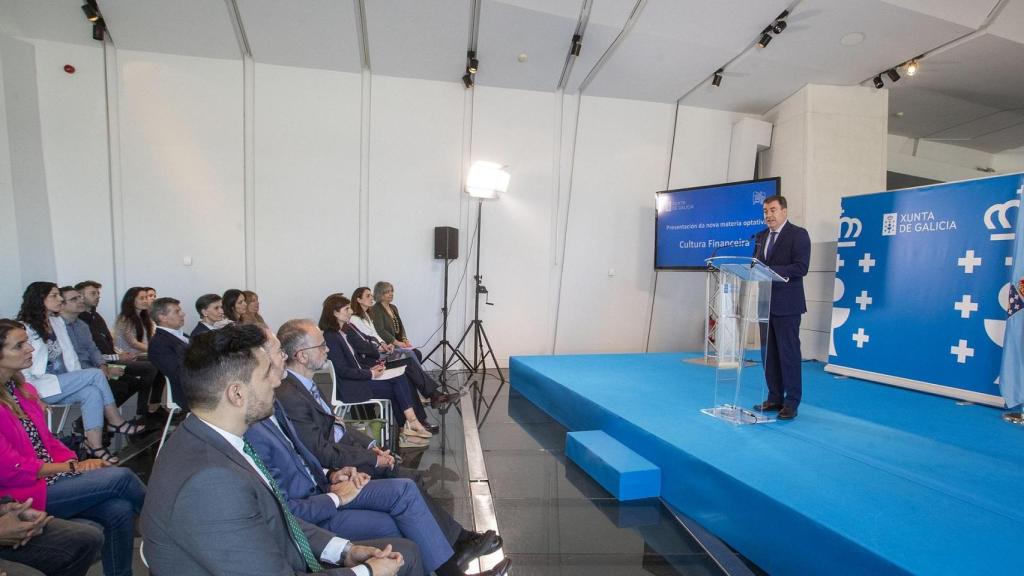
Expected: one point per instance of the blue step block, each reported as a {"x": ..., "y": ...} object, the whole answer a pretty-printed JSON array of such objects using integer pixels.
[{"x": 624, "y": 473}]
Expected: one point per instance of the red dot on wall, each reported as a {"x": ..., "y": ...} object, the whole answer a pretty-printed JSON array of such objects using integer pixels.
[{"x": 69, "y": 68}]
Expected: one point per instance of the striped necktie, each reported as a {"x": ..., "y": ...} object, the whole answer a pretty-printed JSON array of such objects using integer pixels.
[{"x": 301, "y": 542}]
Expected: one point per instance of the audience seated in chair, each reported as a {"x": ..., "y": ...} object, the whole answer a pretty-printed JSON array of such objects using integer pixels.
[
  {"x": 348, "y": 503},
  {"x": 252, "y": 309},
  {"x": 214, "y": 507},
  {"x": 139, "y": 376},
  {"x": 34, "y": 543},
  {"x": 387, "y": 320},
  {"x": 167, "y": 346},
  {"x": 211, "y": 314},
  {"x": 133, "y": 330},
  {"x": 54, "y": 369},
  {"x": 235, "y": 306},
  {"x": 39, "y": 468},
  {"x": 356, "y": 384},
  {"x": 370, "y": 349}
]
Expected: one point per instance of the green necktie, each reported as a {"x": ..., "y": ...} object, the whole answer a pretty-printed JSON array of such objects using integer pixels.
[{"x": 301, "y": 542}]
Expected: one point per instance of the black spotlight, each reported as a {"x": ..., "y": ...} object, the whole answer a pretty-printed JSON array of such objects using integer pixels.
[
  {"x": 91, "y": 13},
  {"x": 467, "y": 79},
  {"x": 765, "y": 39},
  {"x": 577, "y": 44},
  {"x": 779, "y": 27},
  {"x": 893, "y": 74},
  {"x": 716, "y": 80},
  {"x": 878, "y": 82},
  {"x": 474, "y": 64},
  {"x": 98, "y": 30}
]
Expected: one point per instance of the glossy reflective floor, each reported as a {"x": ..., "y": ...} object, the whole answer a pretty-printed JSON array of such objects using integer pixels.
[{"x": 555, "y": 520}]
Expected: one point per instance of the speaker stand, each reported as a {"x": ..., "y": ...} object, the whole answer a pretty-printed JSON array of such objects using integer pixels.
[{"x": 445, "y": 345}]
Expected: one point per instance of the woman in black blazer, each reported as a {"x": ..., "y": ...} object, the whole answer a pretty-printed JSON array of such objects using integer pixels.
[{"x": 334, "y": 316}]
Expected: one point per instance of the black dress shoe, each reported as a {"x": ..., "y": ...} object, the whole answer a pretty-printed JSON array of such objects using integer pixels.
[
  {"x": 787, "y": 413},
  {"x": 501, "y": 569},
  {"x": 768, "y": 406},
  {"x": 480, "y": 545}
]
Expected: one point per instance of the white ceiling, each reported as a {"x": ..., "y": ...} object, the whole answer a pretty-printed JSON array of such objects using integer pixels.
[{"x": 970, "y": 93}]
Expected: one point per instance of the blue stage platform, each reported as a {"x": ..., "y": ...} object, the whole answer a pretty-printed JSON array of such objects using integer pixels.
[{"x": 869, "y": 479}]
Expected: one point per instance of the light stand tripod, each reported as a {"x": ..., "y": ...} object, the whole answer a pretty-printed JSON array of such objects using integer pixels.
[
  {"x": 445, "y": 345},
  {"x": 482, "y": 348}
]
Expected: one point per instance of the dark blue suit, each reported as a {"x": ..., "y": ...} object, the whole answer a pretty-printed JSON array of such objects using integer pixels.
[
  {"x": 383, "y": 509},
  {"x": 356, "y": 384},
  {"x": 166, "y": 352},
  {"x": 789, "y": 257},
  {"x": 199, "y": 329}
]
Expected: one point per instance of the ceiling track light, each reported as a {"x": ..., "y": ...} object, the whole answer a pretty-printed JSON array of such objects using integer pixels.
[
  {"x": 473, "y": 64},
  {"x": 716, "y": 80},
  {"x": 577, "y": 45},
  {"x": 779, "y": 26},
  {"x": 892, "y": 74},
  {"x": 877, "y": 80},
  {"x": 91, "y": 13},
  {"x": 765, "y": 38},
  {"x": 467, "y": 79},
  {"x": 912, "y": 67}
]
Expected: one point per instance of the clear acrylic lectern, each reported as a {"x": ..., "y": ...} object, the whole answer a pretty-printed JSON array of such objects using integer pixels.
[{"x": 741, "y": 304}]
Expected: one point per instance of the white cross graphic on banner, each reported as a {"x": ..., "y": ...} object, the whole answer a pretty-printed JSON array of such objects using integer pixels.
[
  {"x": 864, "y": 300},
  {"x": 969, "y": 262},
  {"x": 860, "y": 337},
  {"x": 965, "y": 306},
  {"x": 961, "y": 351},
  {"x": 866, "y": 262},
  {"x": 839, "y": 261}
]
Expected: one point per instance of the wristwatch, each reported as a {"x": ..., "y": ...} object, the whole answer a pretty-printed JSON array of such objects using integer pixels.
[{"x": 72, "y": 466}]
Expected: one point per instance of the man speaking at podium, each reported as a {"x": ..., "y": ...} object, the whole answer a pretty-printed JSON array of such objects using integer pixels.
[{"x": 786, "y": 249}]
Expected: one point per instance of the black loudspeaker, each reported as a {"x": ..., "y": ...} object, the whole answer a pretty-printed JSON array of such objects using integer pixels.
[{"x": 446, "y": 243}]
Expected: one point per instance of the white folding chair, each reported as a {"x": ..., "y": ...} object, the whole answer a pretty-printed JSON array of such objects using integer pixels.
[
  {"x": 63, "y": 417},
  {"x": 172, "y": 408},
  {"x": 341, "y": 409}
]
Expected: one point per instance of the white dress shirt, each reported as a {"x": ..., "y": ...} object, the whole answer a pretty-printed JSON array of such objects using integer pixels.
[
  {"x": 176, "y": 331},
  {"x": 332, "y": 552}
]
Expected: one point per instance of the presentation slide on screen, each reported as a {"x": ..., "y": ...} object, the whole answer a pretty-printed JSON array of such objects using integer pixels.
[{"x": 694, "y": 224}]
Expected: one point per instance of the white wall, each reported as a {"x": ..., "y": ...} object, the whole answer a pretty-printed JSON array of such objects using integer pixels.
[
  {"x": 181, "y": 170},
  {"x": 28, "y": 173},
  {"x": 622, "y": 158},
  {"x": 416, "y": 134},
  {"x": 307, "y": 188},
  {"x": 73, "y": 124},
  {"x": 517, "y": 250},
  {"x": 10, "y": 281},
  {"x": 700, "y": 156}
]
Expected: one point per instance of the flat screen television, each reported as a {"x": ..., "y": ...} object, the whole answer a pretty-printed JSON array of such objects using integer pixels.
[{"x": 694, "y": 224}]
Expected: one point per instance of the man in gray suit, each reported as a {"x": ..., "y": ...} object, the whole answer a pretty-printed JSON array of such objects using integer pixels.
[{"x": 214, "y": 508}]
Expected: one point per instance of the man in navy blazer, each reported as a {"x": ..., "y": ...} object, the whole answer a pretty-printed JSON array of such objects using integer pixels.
[
  {"x": 786, "y": 249},
  {"x": 217, "y": 509},
  {"x": 168, "y": 343},
  {"x": 353, "y": 507}
]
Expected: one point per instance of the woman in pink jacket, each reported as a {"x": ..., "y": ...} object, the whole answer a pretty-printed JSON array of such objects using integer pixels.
[{"x": 34, "y": 464}]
